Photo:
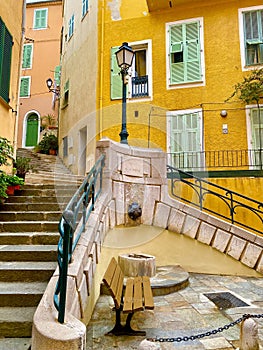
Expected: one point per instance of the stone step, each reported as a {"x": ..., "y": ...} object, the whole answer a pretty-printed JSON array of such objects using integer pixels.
[
  {"x": 16, "y": 322},
  {"x": 28, "y": 252},
  {"x": 15, "y": 343},
  {"x": 14, "y": 294},
  {"x": 29, "y": 226},
  {"x": 11, "y": 238},
  {"x": 30, "y": 216},
  {"x": 29, "y": 271},
  {"x": 35, "y": 199},
  {"x": 52, "y": 192},
  {"x": 16, "y": 207}
]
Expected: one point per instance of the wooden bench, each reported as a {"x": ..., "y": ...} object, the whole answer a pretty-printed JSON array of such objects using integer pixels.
[{"x": 135, "y": 296}]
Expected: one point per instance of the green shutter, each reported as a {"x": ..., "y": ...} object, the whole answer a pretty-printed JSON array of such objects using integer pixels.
[
  {"x": 40, "y": 19},
  {"x": 253, "y": 37},
  {"x": 57, "y": 75},
  {"x": 27, "y": 54},
  {"x": 185, "y": 53},
  {"x": 24, "y": 87},
  {"x": 116, "y": 80},
  {"x": 6, "y": 43}
]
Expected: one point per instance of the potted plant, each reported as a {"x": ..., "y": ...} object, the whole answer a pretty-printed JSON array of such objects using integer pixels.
[
  {"x": 22, "y": 166},
  {"x": 3, "y": 186},
  {"x": 13, "y": 184},
  {"x": 48, "y": 121},
  {"x": 49, "y": 144}
]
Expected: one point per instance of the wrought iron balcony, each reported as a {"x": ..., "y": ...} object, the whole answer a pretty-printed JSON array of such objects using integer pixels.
[
  {"x": 140, "y": 86},
  {"x": 217, "y": 160}
]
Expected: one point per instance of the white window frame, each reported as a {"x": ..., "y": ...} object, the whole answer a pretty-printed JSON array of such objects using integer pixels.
[
  {"x": 31, "y": 57},
  {"x": 242, "y": 37},
  {"x": 170, "y": 86},
  {"x": 249, "y": 108},
  {"x": 147, "y": 45},
  {"x": 34, "y": 20}
]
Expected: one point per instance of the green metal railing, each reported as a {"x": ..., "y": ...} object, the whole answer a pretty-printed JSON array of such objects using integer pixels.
[
  {"x": 234, "y": 207},
  {"x": 71, "y": 226}
]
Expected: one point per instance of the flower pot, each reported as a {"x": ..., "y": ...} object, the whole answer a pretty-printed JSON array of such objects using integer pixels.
[
  {"x": 52, "y": 152},
  {"x": 10, "y": 191}
]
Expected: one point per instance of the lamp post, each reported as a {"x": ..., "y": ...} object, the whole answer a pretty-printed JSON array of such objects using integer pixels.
[
  {"x": 55, "y": 90},
  {"x": 124, "y": 58}
]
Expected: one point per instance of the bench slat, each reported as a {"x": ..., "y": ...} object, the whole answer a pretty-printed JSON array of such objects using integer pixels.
[
  {"x": 113, "y": 278},
  {"x": 128, "y": 297},
  {"x": 147, "y": 291},
  {"x": 137, "y": 299}
]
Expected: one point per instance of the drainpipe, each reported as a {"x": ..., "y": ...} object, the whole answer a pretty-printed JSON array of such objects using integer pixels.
[
  {"x": 19, "y": 75},
  {"x": 101, "y": 67}
]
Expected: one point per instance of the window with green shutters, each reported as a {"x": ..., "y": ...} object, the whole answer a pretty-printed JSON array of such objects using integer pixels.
[
  {"x": 184, "y": 53},
  {"x": 25, "y": 87},
  {"x": 27, "y": 56},
  {"x": 116, "y": 80},
  {"x": 40, "y": 19},
  {"x": 253, "y": 37},
  {"x": 6, "y": 43}
]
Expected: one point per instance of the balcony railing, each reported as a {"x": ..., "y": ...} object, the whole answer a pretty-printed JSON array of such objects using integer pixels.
[
  {"x": 140, "y": 86},
  {"x": 218, "y": 160}
]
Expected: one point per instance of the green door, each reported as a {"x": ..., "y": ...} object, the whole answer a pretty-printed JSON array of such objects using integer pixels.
[{"x": 32, "y": 130}]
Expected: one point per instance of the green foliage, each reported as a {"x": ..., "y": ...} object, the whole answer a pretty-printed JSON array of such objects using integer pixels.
[
  {"x": 49, "y": 142},
  {"x": 8, "y": 180},
  {"x": 48, "y": 120},
  {"x": 6, "y": 151},
  {"x": 14, "y": 180},
  {"x": 22, "y": 165},
  {"x": 251, "y": 88}
]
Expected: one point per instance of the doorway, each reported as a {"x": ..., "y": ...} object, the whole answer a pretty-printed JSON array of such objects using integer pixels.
[{"x": 32, "y": 128}]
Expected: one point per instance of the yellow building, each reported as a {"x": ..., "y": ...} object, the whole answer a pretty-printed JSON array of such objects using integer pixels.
[
  {"x": 11, "y": 34},
  {"x": 188, "y": 57}
]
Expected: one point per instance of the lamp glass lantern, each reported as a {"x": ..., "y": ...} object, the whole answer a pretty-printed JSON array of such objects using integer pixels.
[{"x": 124, "y": 56}]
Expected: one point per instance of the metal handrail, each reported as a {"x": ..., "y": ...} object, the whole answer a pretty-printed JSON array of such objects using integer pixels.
[
  {"x": 71, "y": 226},
  {"x": 217, "y": 159},
  {"x": 231, "y": 200}
]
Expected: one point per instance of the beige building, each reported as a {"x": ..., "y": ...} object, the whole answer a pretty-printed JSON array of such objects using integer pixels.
[
  {"x": 11, "y": 34},
  {"x": 40, "y": 61}
]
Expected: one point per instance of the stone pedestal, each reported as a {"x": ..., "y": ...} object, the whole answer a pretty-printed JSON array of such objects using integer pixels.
[{"x": 137, "y": 264}]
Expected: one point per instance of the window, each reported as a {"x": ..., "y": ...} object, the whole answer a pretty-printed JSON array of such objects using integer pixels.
[
  {"x": 184, "y": 52},
  {"x": 65, "y": 146},
  {"x": 253, "y": 37},
  {"x": 71, "y": 27},
  {"x": 256, "y": 137},
  {"x": 40, "y": 19},
  {"x": 6, "y": 43},
  {"x": 85, "y": 7},
  {"x": 25, "y": 86},
  {"x": 27, "y": 56},
  {"x": 66, "y": 93},
  {"x": 184, "y": 139},
  {"x": 140, "y": 84}
]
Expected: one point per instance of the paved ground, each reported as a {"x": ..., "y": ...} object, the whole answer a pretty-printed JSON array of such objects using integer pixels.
[{"x": 183, "y": 314}]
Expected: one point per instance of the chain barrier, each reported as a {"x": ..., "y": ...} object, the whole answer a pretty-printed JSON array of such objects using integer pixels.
[{"x": 206, "y": 334}]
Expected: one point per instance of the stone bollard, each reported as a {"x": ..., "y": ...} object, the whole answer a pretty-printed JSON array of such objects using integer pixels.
[
  {"x": 249, "y": 335},
  {"x": 148, "y": 345}
]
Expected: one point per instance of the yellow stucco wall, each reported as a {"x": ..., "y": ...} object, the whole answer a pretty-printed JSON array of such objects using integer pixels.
[
  {"x": 11, "y": 13},
  {"x": 222, "y": 70}
]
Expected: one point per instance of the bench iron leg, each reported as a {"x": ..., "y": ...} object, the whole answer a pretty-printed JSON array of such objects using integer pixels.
[{"x": 119, "y": 329}]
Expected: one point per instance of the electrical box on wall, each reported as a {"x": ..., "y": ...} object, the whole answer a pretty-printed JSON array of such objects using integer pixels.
[{"x": 225, "y": 129}]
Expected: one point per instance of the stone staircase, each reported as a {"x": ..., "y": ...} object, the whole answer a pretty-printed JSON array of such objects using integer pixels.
[{"x": 28, "y": 242}]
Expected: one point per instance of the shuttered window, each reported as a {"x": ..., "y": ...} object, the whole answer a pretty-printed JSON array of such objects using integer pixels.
[
  {"x": 6, "y": 43},
  {"x": 71, "y": 26},
  {"x": 40, "y": 19},
  {"x": 27, "y": 56},
  {"x": 253, "y": 27},
  {"x": 85, "y": 7},
  {"x": 25, "y": 87},
  {"x": 116, "y": 80},
  {"x": 185, "y": 53},
  {"x": 57, "y": 75}
]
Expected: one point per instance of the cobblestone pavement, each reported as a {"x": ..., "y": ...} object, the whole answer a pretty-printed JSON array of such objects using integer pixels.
[{"x": 183, "y": 314}]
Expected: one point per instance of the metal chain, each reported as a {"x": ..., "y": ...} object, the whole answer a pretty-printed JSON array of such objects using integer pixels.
[{"x": 206, "y": 334}]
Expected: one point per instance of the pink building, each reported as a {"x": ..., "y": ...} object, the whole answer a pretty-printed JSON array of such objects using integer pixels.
[{"x": 40, "y": 61}]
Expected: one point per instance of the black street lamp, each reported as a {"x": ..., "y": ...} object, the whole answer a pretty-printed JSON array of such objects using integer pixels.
[
  {"x": 51, "y": 87},
  {"x": 124, "y": 58}
]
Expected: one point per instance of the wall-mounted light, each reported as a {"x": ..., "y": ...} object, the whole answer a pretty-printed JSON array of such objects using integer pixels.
[
  {"x": 223, "y": 113},
  {"x": 52, "y": 88}
]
